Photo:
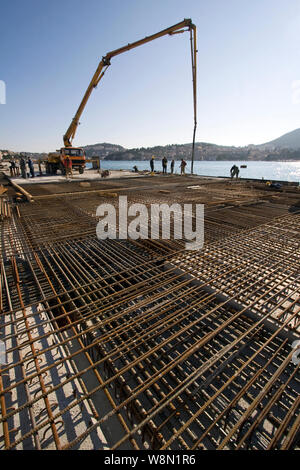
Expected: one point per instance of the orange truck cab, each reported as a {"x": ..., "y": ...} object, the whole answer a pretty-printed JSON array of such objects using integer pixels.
[{"x": 76, "y": 155}]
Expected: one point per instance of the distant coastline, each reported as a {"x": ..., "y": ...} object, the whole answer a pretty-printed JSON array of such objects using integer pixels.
[
  {"x": 284, "y": 149},
  {"x": 199, "y": 160}
]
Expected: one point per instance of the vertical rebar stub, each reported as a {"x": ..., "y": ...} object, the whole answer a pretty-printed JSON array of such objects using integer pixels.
[{"x": 2, "y": 353}]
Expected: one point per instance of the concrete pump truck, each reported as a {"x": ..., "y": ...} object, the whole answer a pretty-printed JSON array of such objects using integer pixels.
[{"x": 76, "y": 154}]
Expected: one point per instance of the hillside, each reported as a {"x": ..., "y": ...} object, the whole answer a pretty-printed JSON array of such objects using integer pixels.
[
  {"x": 291, "y": 141},
  {"x": 203, "y": 151},
  {"x": 286, "y": 147},
  {"x": 102, "y": 150}
]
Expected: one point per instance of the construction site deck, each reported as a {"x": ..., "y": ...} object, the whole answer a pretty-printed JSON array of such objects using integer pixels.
[{"x": 142, "y": 344}]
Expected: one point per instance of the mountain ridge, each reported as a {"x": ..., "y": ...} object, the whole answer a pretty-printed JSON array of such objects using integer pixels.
[
  {"x": 285, "y": 147},
  {"x": 290, "y": 140}
]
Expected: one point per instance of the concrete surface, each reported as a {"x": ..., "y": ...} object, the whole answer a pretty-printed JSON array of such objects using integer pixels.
[{"x": 86, "y": 176}]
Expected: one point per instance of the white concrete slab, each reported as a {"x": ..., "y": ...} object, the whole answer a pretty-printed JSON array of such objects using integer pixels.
[{"x": 88, "y": 175}]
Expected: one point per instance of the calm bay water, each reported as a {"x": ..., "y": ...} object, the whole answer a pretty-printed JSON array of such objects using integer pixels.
[{"x": 285, "y": 171}]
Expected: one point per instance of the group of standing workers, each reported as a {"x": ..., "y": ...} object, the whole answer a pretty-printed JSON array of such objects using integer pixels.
[
  {"x": 21, "y": 165},
  {"x": 15, "y": 168},
  {"x": 172, "y": 165}
]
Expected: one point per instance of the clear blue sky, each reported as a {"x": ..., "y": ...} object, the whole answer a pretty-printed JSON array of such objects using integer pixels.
[{"x": 248, "y": 63}]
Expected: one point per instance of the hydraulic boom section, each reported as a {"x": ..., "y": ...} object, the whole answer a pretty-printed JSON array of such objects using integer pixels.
[{"x": 183, "y": 26}]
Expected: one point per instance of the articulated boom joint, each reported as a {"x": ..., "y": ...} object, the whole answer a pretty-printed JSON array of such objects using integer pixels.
[{"x": 106, "y": 60}]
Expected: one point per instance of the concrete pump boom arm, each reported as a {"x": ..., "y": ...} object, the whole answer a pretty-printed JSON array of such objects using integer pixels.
[{"x": 105, "y": 63}]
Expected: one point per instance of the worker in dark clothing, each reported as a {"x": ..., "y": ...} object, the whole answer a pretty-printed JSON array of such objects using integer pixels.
[
  {"x": 152, "y": 164},
  {"x": 31, "y": 167},
  {"x": 23, "y": 168},
  {"x": 164, "y": 165},
  {"x": 12, "y": 168},
  {"x": 172, "y": 166},
  {"x": 234, "y": 171}
]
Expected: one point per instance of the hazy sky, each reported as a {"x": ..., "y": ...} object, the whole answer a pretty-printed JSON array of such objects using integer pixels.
[{"x": 248, "y": 72}]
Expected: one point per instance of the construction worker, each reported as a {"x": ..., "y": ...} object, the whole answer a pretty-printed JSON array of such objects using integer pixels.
[
  {"x": 68, "y": 166},
  {"x": 23, "y": 167},
  {"x": 182, "y": 166},
  {"x": 17, "y": 168},
  {"x": 164, "y": 165},
  {"x": 152, "y": 164},
  {"x": 40, "y": 166},
  {"x": 12, "y": 168},
  {"x": 172, "y": 166},
  {"x": 31, "y": 167},
  {"x": 234, "y": 171}
]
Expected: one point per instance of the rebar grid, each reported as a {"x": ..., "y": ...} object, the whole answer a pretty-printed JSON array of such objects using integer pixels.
[{"x": 167, "y": 348}]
